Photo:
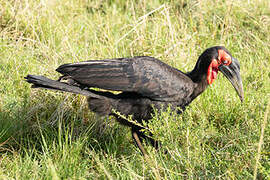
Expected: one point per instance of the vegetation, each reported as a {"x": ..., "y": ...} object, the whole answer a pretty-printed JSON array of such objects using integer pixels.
[{"x": 52, "y": 135}]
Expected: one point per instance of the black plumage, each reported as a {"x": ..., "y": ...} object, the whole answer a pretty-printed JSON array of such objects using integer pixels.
[{"x": 144, "y": 82}]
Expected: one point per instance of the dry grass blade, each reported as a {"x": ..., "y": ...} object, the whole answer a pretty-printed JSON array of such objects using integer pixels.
[{"x": 140, "y": 21}]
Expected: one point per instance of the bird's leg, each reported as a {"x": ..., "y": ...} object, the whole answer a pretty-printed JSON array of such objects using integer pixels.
[
  {"x": 139, "y": 136},
  {"x": 154, "y": 143},
  {"x": 136, "y": 137}
]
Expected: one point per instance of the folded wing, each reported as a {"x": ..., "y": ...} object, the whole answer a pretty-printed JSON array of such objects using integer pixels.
[{"x": 144, "y": 75}]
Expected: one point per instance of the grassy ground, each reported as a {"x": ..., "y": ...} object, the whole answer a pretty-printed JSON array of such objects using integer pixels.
[{"x": 49, "y": 135}]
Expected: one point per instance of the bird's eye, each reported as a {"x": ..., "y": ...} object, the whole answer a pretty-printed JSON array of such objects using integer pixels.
[{"x": 224, "y": 58}]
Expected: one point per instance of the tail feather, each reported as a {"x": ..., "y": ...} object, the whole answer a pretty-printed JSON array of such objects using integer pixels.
[{"x": 46, "y": 83}]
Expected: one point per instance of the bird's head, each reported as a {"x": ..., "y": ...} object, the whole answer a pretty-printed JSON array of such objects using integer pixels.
[{"x": 216, "y": 59}]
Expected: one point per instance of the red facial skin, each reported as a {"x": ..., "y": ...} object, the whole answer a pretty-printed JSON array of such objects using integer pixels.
[{"x": 224, "y": 59}]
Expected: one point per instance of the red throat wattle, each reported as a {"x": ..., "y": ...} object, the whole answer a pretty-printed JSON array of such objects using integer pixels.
[{"x": 212, "y": 71}]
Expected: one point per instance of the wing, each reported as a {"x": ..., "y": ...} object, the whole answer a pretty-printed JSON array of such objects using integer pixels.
[{"x": 145, "y": 75}]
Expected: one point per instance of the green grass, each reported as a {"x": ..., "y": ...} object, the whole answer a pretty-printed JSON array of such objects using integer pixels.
[{"x": 52, "y": 135}]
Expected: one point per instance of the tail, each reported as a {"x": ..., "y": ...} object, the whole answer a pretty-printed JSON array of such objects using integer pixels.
[{"x": 46, "y": 83}]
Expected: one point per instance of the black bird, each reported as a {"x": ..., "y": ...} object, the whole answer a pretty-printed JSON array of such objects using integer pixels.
[{"x": 144, "y": 82}]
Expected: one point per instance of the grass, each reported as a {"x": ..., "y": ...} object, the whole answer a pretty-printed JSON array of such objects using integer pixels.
[{"x": 52, "y": 135}]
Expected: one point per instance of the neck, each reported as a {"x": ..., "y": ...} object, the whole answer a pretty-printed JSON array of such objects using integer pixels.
[{"x": 199, "y": 77}]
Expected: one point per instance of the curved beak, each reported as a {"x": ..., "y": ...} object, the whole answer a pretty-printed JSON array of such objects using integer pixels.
[{"x": 232, "y": 73}]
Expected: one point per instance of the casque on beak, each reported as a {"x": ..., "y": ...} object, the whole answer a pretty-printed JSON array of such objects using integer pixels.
[{"x": 232, "y": 73}]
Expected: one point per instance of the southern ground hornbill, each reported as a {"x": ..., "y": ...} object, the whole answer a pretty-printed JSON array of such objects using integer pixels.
[{"x": 144, "y": 82}]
